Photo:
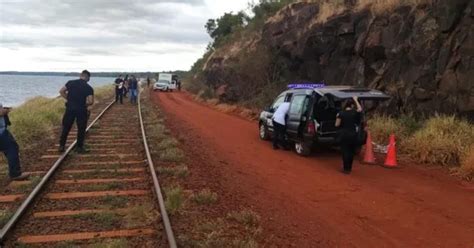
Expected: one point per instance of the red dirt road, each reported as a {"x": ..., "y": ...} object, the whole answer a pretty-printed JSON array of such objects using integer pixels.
[{"x": 307, "y": 202}]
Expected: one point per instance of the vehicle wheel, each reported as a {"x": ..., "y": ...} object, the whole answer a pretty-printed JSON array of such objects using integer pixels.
[
  {"x": 302, "y": 149},
  {"x": 263, "y": 133}
]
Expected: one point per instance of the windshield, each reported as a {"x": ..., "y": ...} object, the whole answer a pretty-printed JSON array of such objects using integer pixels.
[{"x": 163, "y": 82}]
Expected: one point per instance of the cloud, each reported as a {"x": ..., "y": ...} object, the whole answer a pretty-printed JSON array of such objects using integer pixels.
[{"x": 54, "y": 30}]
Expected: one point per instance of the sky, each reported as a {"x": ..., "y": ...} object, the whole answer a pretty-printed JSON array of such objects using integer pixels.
[{"x": 106, "y": 35}]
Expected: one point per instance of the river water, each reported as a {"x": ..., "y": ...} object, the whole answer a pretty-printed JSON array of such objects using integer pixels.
[{"x": 16, "y": 89}]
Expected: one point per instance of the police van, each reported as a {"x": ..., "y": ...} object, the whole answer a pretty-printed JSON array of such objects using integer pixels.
[{"x": 312, "y": 114}]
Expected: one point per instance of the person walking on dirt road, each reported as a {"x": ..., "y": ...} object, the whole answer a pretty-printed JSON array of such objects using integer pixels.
[
  {"x": 9, "y": 147},
  {"x": 279, "y": 125},
  {"x": 79, "y": 95},
  {"x": 348, "y": 121}
]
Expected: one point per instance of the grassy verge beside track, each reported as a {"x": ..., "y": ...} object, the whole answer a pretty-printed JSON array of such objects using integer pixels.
[{"x": 194, "y": 205}]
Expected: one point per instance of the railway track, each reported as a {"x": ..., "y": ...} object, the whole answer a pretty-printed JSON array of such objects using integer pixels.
[{"x": 110, "y": 196}]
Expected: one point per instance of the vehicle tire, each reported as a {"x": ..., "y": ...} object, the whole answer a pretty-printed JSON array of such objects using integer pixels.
[
  {"x": 263, "y": 132},
  {"x": 302, "y": 148}
]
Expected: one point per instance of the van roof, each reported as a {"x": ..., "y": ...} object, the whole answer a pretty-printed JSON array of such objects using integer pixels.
[{"x": 345, "y": 92}]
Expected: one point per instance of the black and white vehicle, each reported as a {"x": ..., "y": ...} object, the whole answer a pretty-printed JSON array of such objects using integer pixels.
[{"x": 312, "y": 115}]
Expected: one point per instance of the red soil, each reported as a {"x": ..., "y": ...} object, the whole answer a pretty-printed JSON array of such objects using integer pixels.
[{"x": 307, "y": 202}]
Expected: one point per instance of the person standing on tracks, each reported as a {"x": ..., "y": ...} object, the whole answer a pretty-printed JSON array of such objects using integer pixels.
[
  {"x": 133, "y": 87},
  {"x": 119, "y": 89},
  {"x": 126, "y": 81},
  {"x": 348, "y": 121},
  {"x": 79, "y": 95},
  {"x": 279, "y": 125},
  {"x": 9, "y": 147}
]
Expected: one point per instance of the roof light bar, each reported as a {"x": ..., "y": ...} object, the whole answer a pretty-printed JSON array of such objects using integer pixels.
[{"x": 306, "y": 85}]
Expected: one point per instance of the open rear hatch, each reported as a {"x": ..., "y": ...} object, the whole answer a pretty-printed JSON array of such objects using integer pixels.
[{"x": 361, "y": 93}]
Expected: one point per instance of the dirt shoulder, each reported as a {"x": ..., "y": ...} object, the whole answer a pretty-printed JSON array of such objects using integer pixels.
[{"x": 306, "y": 202}]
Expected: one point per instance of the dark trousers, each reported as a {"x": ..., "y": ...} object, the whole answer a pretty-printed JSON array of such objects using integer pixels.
[
  {"x": 119, "y": 95},
  {"x": 80, "y": 116},
  {"x": 11, "y": 150},
  {"x": 279, "y": 132},
  {"x": 348, "y": 148}
]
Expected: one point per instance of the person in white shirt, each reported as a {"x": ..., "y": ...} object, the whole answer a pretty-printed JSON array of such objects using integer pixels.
[{"x": 279, "y": 125}]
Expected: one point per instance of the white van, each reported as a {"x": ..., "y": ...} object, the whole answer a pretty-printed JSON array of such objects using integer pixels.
[{"x": 165, "y": 82}]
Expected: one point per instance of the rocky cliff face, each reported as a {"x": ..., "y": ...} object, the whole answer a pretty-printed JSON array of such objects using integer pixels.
[{"x": 423, "y": 55}]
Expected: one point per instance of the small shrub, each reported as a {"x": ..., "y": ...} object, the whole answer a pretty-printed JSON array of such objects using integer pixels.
[
  {"x": 174, "y": 199},
  {"x": 205, "y": 197},
  {"x": 245, "y": 217},
  {"x": 467, "y": 167},
  {"x": 172, "y": 155},
  {"x": 177, "y": 171},
  {"x": 5, "y": 216},
  {"x": 381, "y": 126},
  {"x": 139, "y": 216},
  {"x": 167, "y": 143}
]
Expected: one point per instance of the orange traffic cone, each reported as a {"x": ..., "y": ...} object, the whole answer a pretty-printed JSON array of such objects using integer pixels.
[
  {"x": 391, "y": 160},
  {"x": 369, "y": 157}
]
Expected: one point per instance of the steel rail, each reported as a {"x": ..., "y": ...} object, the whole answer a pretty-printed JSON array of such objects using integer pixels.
[
  {"x": 29, "y": 200},
  {"x": 164, "y": 214}
]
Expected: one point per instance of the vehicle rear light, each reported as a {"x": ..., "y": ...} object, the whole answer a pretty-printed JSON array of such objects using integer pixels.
[{"x": 311, "y": 129}]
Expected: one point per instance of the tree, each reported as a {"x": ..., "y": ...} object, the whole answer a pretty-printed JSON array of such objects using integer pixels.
[
  {"x": 225, "y": 25},
  {"x": 211, "y": 26}
]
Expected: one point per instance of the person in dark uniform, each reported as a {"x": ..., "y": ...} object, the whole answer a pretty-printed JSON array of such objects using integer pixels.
[
  {"x": 126, "y": 82},
  {"x": 148, "y": 82},
  {"x": 119, "y": 89},
  {"x": 79, "y": 95},
  {"x": 348, "y": 121},
  {"x": 9, "y": 147}
]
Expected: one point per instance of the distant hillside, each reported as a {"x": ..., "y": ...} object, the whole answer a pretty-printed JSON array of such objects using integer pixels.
[{"x": 421, "y": 52}]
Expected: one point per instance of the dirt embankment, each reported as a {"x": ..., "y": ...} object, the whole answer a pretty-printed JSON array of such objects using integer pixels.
[
  {"x": 421, "y": 54},
  {"x": 306, "y": 202}
]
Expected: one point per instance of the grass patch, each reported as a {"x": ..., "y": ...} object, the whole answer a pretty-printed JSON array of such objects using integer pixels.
[
  {"x": 103, "y": 186},
  {"x": 382, "y": 126},
  {"x": 167, "y": 143},
  {"x": 443, "y": 140},
  {"x": 34, "y": 180},
  {"x": 139, "y": 216},
  {"x": 174, "y": 199},
  {"x": 113, "y": 243},
  {"x": 205, "y": 197},
  {"x": 115, "y": 201},
  {"x": 245, "y": 217},
  {"x": 176, "y": 171},
  {"x": 106, "y": 219},
  {"x": 172, "y": 155},
  {"x": 5, "y": 216},
  {"x": 379, "y": 7}
]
